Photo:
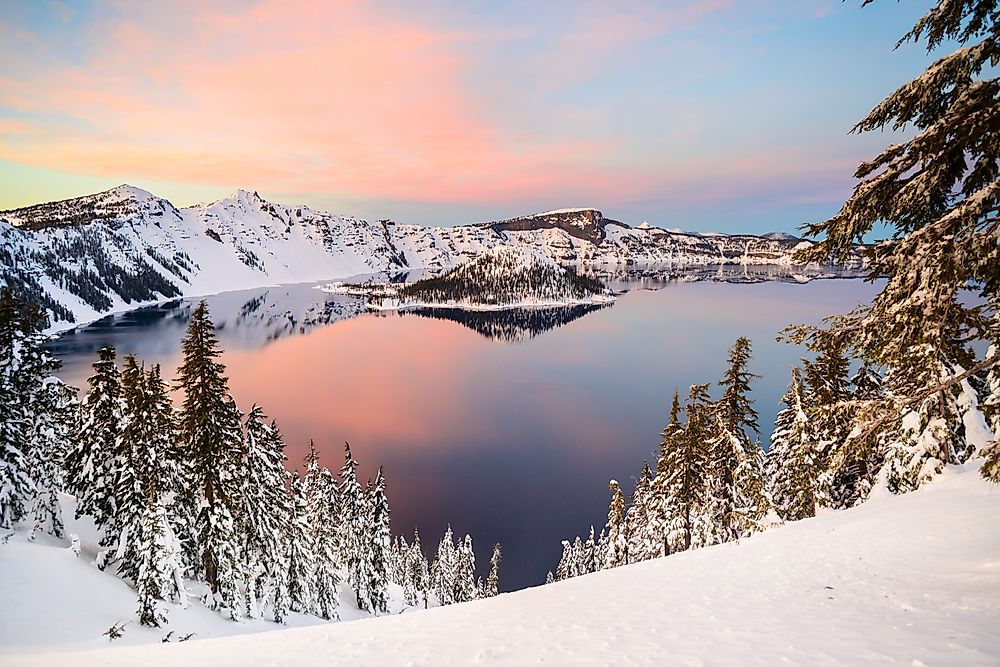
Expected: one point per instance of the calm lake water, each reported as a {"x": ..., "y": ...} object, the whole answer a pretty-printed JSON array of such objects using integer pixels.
[{"x": 507, "y": 429}]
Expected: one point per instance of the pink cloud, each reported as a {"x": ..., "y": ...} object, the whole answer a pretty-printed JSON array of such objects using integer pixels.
[{"x": 329, "y": 97}]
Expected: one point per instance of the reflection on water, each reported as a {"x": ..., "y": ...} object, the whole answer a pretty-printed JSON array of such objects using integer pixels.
[
  {"x": 512, "y": 325},
  {"x": 510, "y": 443}
]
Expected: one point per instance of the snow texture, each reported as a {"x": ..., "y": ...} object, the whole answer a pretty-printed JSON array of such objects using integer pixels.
[
  {"x": 903, "y": 580},
  {"x": 113, "y": 251}
]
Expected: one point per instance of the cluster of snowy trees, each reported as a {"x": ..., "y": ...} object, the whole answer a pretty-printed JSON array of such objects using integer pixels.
[
  {"x": 503, "y": 275},
  {"x": 925, "y": 354},
  {"x": 197, "y": 500},
  {"x": 36, "y": 417},
  {"x": 709, "y": 485}
]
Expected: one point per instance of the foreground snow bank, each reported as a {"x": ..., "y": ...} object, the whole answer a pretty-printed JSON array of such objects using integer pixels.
[
  {"x": 52, "y": 599},
  {"x": 905, "y": 580}
]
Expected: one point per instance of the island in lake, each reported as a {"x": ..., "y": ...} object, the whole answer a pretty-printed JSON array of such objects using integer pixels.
[{"x": 501, "y": 278}]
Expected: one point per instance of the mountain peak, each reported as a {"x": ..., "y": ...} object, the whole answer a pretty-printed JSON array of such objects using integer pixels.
[{"x": 126, "y": 191}]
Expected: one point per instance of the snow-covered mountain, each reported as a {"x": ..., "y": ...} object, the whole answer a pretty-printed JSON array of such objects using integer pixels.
[
  {"x": 82, "y": 258},
  {"x": 900, "y": 580}
]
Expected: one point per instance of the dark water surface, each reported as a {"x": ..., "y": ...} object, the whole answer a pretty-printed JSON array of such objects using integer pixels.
[{"x": 508, "y": 428}]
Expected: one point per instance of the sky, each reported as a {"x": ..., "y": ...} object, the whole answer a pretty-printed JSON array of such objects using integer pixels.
[{"x": 708, "y": 115}]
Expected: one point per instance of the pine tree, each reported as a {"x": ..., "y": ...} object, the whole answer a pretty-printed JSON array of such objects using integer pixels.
[
  {"x": 791, "y": 460},
  {"x": 549, "y": 579},
  {"x": 846, "y": 465},
  {"x": 266, "y": 512},
  {"x": 737, "y": 501},
  {"x": 590, "y": 560},
  {"x": 669, "y": 441},
  {"x": 493, "y": 581},
  {"x": 18, "y": 321},
  {"x": 147, "y": 550},
  {"x": 128, "y": 475},
  {"x": 211, "y": 437},
  {"x": 684, "y": 470},
  {"x": 379, "y": 537},
  {"x": 36, "y": 413},
  {"x": 443, "y": 570},
  {"x": 159, "y": 572},
  {"x": 640, "y": 517},
  {"x": 52, "y": 417},
  {"x": 319, "y": 489},
  {"x": 399, "y": 554},
  {"x": 565, "y": 569},
  {"x": 299, "y": 541},
  {"x": 617, "y": 538},
  {"x": 89, "y": 462},
  {"x": 939, "y": 193},
  {"x": 418, "y": 570},
  {"x": 353, "y": 528},
  {"x": 464, "y": 579}
]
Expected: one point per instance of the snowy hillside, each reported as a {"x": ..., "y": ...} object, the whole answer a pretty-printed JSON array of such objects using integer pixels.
[
  {"x": 499, "y": 278},
  {"x": 86, "y": 257},
  {"x": 909, "y": 580}
]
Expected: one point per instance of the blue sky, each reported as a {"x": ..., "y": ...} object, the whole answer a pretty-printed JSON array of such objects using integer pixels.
[{"x": 713, "y": 115}]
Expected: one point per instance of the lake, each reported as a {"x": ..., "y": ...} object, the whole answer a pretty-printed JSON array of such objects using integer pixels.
[{"x": 509, "y": 426}]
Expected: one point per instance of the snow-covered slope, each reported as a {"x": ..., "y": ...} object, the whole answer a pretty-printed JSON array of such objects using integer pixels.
[
  {"x": 901, "y": 580},
  {"x": 85, "y": 257}
]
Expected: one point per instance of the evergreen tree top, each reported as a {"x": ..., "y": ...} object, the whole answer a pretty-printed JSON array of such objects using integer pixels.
[{"x": 735, "y": 407}]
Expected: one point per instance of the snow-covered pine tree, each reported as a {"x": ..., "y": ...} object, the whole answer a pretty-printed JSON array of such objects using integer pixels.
[
  {"x": 641, "y": 521},
  {"x": 164, "y": 473},
  {"x": 320, "y": 490},
  {"x": 401, "y": 570},
  {"x": 354, "y": 528},
  {"x": 90, "y": 459},
  {"x": 578, "y": 553},
  {"x": 53, "y": 415},
  {"x": 939, "y": 193},
  {"x": 128, "y": 475},
  {"x": 682, "y": 474},
  {"x": 845, "y": 465},
  {"x": 147, "y": 551},
  {"x": 791, "y": 461},
  {"x": 669, "y": 437},
  {"x": 549, "y": 579},
  {"x": 399, "y": 554},
  {"x": 19, "y": 322},
  {"x": 617, "y": 537},
  {"x": 565, "y": 569},
  {"x": 601, "y": 549},
  {"x": 210, "y": 435},
  {"x": 590, "y": 561},
  {"x": 418, "y": 570},
  {"x": 443, "y": 569},
  {"x": 737, "y": 500},
  {"x": 299, "y": 542},
  {"x": 266, "y": 513},
  {"x": 493, "y": 580},
  {"x": 931, "y": 433},
  {"x": 464, "y": 581},
  {"x": 379, "y": 537},
  {"x": 159, "y": 575},
  {"x": 37, "y": 412},
  {"x": 350, "y": 516}
]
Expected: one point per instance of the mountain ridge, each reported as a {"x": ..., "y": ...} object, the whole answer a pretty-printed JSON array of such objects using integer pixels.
[{"x": 84, "y": 257}]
